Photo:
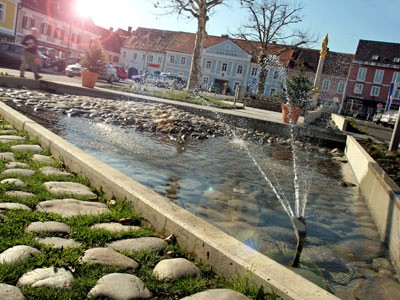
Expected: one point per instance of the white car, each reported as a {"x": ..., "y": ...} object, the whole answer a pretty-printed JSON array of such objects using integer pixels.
[
  {"x": 389, "y": 118},
  {"x": 73, "y": 70}
]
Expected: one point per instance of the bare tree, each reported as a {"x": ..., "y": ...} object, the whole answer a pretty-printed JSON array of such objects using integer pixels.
[
  {"x": 272, "y": 21},
  {"x": 199, "y": 9}
]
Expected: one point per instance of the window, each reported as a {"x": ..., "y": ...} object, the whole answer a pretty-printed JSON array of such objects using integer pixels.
[
  {"x": 276, "y": 75},
  {"x": 205, "y": 80},
  {"x": 358, "y": 87},
  {"x": 341, "y": 86},
  {"x": 375, "y": 57},
  {"x": 254, "y": 72},
  {"x": 2, "y": 12},
  {"x": 396, "y": 77},
  {"x": 239, "y": 70},
  {"x": 208, "y": 64},
  {"x": 27, "y": 22},
  {"x": 272, "y": 91},
  {"x": 172, "y": 59},
  {"x": 59, "y": 34},
  {"x": 143, "y": 57},
  {"x": 396, "y": 94},
  {"x": 45, "y": 29},
  {"x": 151, "y": 58},
  {"x": 375, "y": 91},
  {"x": 325, "y": 84},
  {"x": 135, "y": 56},
  {"x": 183, "y": 60},
  {"x": 378, "y": 78},
  {"x": 159, "y": 59},
  {"x": 396, "y": 60},
  {"x": 224, "y": 67},
  {"x": 124, "y": 54},
  {"x": 362, "y": 72}
]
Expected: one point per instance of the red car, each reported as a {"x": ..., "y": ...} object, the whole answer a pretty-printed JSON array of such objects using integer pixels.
[{"x": 121, "y": 74}]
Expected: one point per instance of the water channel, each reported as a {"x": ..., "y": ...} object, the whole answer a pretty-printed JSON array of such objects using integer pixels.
[{"x": 217, "y": 180}]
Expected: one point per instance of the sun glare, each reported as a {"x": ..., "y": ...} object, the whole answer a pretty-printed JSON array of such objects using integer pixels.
[
  {"x": 85, "y": 8},
  {"x": 102, "y": 12}
]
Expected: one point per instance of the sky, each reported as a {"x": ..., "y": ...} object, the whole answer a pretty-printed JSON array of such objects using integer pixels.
[{"x": 345, "y": 21}]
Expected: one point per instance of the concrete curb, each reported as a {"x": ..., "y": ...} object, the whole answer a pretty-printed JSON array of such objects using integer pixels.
[
  {"x": 209, "y": 245},
  {"x": 382, "y": 195}
]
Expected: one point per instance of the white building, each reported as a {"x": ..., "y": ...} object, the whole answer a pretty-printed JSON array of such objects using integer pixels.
[{"x": 226, "y": 63}]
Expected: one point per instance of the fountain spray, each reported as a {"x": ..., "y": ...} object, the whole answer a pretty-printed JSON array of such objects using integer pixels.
[{"x": 299, "y": 226}]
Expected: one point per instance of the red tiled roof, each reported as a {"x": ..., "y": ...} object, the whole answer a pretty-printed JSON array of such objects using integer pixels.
[
  {"x": 176, "y": 41},
  {"x": 335, "y": 63},
  {"x": 154, "y": 39}
]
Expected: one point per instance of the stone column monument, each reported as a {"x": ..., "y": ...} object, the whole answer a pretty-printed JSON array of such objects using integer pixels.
[{"x": 317, "y": 79}]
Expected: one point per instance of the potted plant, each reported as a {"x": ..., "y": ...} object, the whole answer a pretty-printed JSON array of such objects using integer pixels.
[
  {"x": 296, "y": 97},
  {"x": 93, "y": 64}
]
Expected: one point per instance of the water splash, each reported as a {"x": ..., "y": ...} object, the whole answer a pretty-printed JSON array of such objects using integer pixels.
[{"x": 302, "y": 176}]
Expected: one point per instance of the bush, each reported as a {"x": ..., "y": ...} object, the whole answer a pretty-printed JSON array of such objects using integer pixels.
[
  {"x": 298, "y": 92},
  {"x": 94, "y": 60}
]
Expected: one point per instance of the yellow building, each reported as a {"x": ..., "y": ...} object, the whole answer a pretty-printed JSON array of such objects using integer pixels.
[{"x": 8, "y": 19}]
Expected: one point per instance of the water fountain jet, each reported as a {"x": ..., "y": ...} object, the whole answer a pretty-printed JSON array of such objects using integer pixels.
[
  {"x": 299, "y": 226},
  {"x": 301, "y": 186}
]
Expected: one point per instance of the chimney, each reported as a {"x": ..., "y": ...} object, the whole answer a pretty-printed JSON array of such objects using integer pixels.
[
  {"x": 130, "y": 29},
  {"x": 111, "y": 29}
]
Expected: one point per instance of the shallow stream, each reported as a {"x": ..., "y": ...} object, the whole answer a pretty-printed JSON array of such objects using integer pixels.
[{"x": 216, "y": 180}]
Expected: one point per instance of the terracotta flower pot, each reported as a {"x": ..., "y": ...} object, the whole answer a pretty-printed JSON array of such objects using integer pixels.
[
  {"x": 89, "y": 78},
  {"x": 290, "y": 114}
]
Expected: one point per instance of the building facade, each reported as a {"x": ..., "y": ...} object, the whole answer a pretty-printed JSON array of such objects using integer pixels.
[
  {"x": 332, "y": 84},
  {"x": 62, "y": 33},
  {"x": 226, "y": 63},
  {"x": 375, "y": 66},
  {"x": 8, "y": 19}
]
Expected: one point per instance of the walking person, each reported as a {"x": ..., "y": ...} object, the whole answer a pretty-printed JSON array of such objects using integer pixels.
[{"x": 30, "y": 54}]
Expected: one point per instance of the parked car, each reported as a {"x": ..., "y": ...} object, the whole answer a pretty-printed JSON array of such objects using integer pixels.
[
  {"x": 153, "y": 79},
  {"x": 389, "y": 118},
  {"x": 133, "y": 74},
  {"x": 61, "y": 64},
  {"x": 215, "y": 88},
  {"x": 174, "y": 81},
  {"x": 164, "y": 80},
  {"x": 377, "y": 118},
  {"x": 10, "y": 55},
  {"x": 109, "y": 74},
  {"x": 121, "y": 73},
  {"x": 73, "y": 70}
]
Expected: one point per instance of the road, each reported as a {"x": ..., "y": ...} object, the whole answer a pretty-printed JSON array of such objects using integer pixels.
[
  {"x": 378, "y": 131},
  {"x": 48, "y": 75}
]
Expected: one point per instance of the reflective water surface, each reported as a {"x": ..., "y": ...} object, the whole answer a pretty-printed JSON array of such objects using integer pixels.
[{"x": 216, "y": 180}]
